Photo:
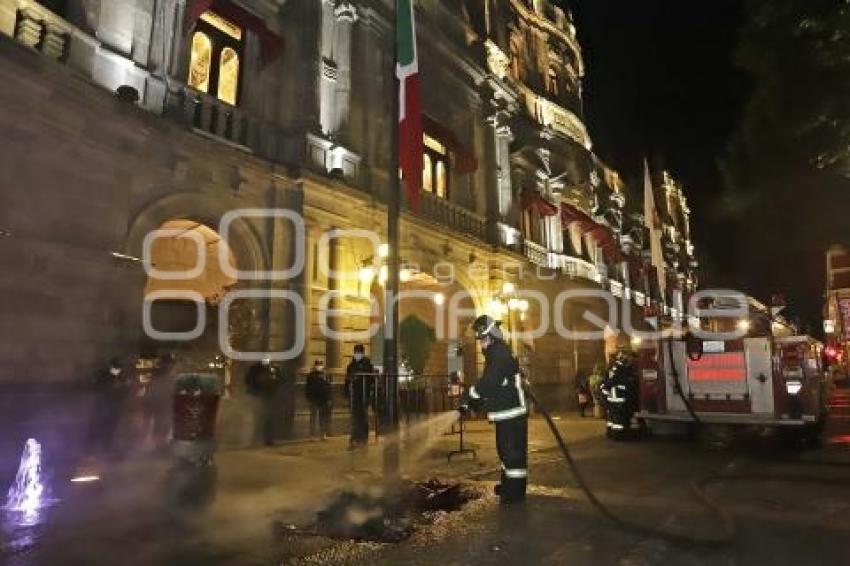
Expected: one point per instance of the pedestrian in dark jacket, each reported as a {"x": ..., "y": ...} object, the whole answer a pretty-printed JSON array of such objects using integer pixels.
[
  {"x": 583, "y": 392},
  {"x": 359, "y": 387},
  {"x": 318, "y": 392},
  {"x": 112, "y": 392},
  {"x": 262, "y": 382}
]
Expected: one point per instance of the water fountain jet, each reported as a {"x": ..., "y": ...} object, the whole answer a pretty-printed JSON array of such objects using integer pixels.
[{"x": 26, "y": 495}]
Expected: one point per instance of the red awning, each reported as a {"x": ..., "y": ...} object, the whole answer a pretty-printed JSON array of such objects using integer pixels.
[
  {"x": 571, "y": 214},
  {"x": 531, "y": 198},
  {"x": 601, "y": 234},
  {"x": 270, "y": 42},
  {"x": 463, "y": 159}
]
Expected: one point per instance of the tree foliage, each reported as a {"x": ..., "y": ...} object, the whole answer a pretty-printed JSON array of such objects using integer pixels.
[
  {"x": 798, "y": 54},
  {"x": 787, "y": 168},
  {"x": 416, "y": 340}
]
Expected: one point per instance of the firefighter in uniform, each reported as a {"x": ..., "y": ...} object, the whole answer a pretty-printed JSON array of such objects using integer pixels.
[
  {"x": 500, "y": 393},
  {"x": 619, "y": 388}
]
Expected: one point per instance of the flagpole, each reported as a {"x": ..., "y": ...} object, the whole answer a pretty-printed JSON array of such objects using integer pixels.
[{"x": 391, "y": 456}]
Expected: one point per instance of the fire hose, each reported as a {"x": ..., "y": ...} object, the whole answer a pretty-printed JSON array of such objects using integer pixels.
[
  {"x": 631, "y": 526},
  {"x": 697, "y": 486}
]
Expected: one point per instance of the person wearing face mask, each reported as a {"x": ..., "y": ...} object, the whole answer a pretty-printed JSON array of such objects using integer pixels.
[
  {"x": 359, "y": 387},
  {"x": 318, "y": 392},
  {"x": 499, "y": 392}
]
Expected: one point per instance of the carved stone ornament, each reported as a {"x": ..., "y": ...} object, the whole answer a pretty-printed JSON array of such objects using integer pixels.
[
  {"x": 497, "y": 61},
  {"x": 345, "y": 10}
]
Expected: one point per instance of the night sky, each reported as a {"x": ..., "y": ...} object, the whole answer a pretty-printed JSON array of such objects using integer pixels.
[{"x": 661, "y": 81}]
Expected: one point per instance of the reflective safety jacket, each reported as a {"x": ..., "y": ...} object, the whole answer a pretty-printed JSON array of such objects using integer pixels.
[
  {"x": 500, "y": 388},
  {"x": 620, "y": 386}
]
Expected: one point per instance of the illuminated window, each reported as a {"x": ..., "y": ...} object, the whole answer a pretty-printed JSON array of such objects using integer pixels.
[
  {"x": 228, "y": 78},
  {"x": 435, "y": 167},
  {"x": 552, "y": 82},
  {"x": 199, "y": 64},
  {"x": 441, "y": 179},
  {"x": 427, "y": 174},
  {"x": 214, "y": 63}
]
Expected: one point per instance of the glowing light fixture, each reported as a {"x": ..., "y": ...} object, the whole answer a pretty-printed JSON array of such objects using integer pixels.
[
  {"x": 508, "y": 288},
  {"x": 366, "y": 274},
  {"x": 496, "y": 309},
  {"x": 383, "y": 250},
  {"x": 743, "y": 325},
  {"x": 439, "y": 299}
]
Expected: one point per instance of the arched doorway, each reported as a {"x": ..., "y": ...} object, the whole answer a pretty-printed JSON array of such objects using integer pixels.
[
  {"x": 184, "y": 287},
  {"x": 445, "y": 311}
]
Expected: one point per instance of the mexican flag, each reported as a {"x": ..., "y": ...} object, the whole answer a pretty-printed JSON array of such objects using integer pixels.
[{"x": 410, "y": 104}]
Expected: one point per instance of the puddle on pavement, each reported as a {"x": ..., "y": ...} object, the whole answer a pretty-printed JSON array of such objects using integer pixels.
[{"x": 378, "y": 516}]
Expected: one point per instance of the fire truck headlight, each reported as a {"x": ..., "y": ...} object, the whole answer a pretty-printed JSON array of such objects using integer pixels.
[{"x": 793, "y": 387}]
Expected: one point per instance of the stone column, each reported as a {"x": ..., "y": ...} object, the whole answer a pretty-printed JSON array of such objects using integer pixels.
[
  {"x": 284, "y": 327},
  {"x": 504, "y": 137},
  {"x": 312, "y": 234},
  {"x": 328, "y": 71},
  {"x": 345, "y": 15},
  {"x": 332, "y": 345}
]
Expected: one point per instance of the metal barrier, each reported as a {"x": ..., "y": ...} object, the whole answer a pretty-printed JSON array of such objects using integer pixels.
[{"x": 415, "y": 398}]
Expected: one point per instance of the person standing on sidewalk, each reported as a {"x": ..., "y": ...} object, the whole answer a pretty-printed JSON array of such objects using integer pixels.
[
  {"x": 359, "y": 388},
  {"x": 318, "y": 392},
  {"x": 501, "y": 394},
  {"x": 262, "y": 382},
  {"x": 583, "y": 392},
  {"x": 595, "y": 384}
]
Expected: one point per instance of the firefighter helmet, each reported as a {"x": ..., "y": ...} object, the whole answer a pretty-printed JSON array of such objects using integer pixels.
[{"x": 484, "y": 325}]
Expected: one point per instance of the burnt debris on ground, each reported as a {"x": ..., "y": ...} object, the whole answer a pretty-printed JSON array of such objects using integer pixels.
[{"x": 389, "y": 516}]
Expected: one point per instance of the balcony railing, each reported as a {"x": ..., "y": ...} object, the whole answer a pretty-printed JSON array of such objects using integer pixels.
[
  {"x": 37, "y": 27},
  {"x": 212, "y": 116},
  {"x": 453, "y": 216},
  {"x": 536, "y": 254},
  {"x": 576, "y": 267}
]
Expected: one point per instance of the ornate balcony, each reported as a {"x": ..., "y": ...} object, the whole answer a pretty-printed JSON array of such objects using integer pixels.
[
  {"x": 39, "y": 28},
  {"x": 453, "y": 216},
  {"x": 211, "y": 116},
  {"x": 536, "y": 254}
]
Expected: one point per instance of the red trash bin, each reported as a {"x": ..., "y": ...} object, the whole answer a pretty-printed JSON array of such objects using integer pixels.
[
  {"x": 194, "y": 416},
  {"x": 196, "y": 399}
]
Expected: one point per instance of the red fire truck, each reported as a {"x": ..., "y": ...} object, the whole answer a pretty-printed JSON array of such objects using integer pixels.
[{"x": 773, "y": 380}]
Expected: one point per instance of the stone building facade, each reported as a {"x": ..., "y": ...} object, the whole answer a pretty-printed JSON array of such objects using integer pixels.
[{"x": 123, "y": 117}]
